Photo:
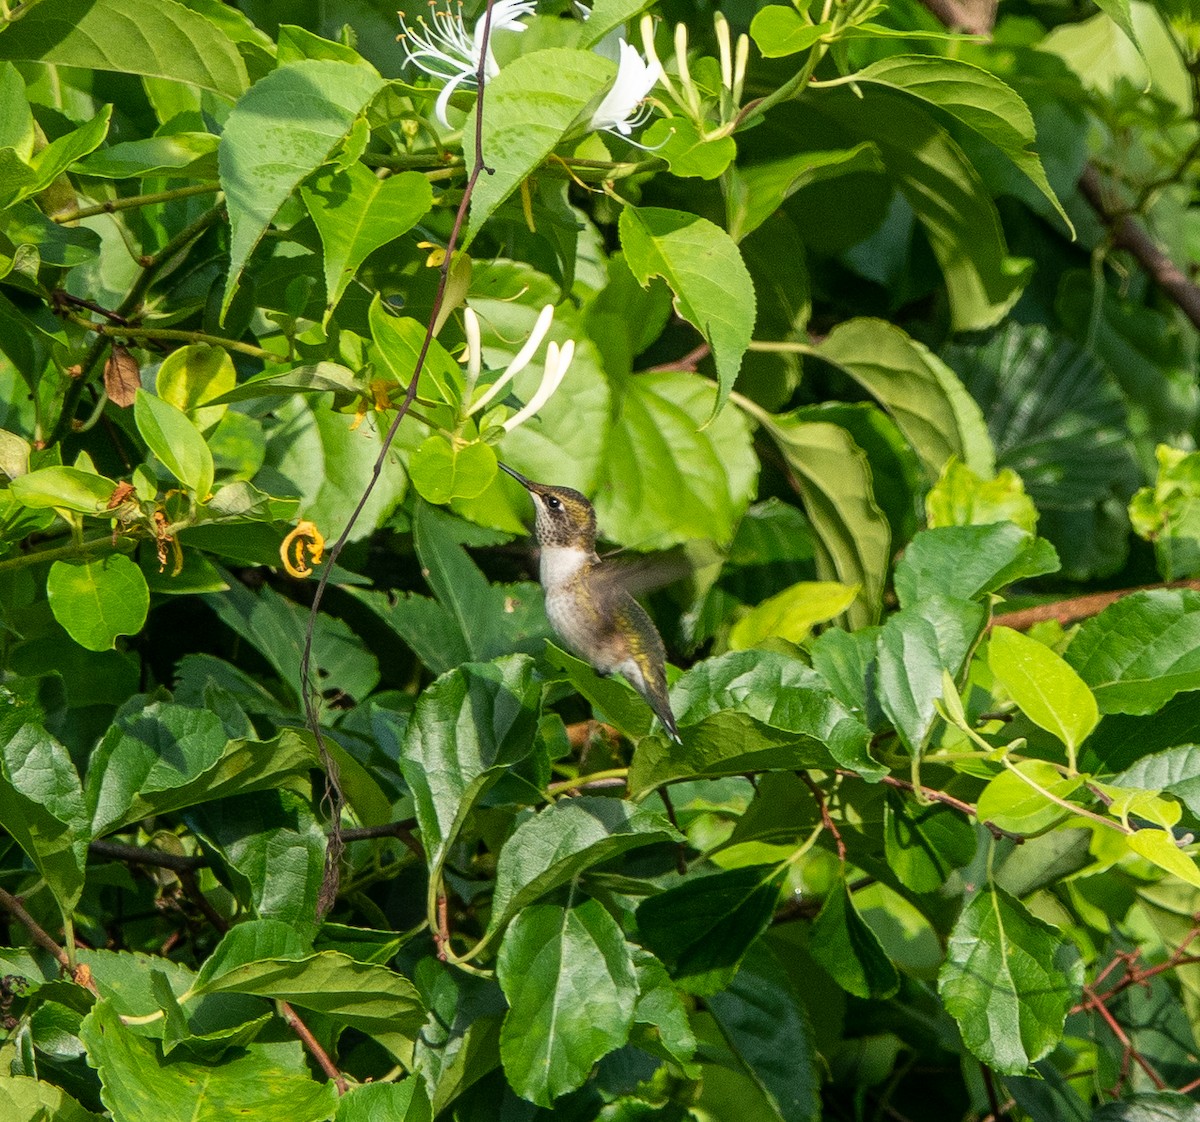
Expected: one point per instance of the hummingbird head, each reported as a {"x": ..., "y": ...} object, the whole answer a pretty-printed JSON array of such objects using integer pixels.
[{"x": 564, "y": 516}]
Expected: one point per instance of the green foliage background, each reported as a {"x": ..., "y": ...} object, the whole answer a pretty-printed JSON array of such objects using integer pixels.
[{"x": 868, "y": 345}]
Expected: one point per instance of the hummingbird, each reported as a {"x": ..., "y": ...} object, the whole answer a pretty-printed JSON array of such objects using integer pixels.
[{"x": 589, "y": 607}]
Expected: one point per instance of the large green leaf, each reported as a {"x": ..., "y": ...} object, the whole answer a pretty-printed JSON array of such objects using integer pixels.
[
  {"x": 703, "y": 268},
  {"x": 161, "y": 38},
  {"x": 849, "y": 950},
  {"x": 161, "y": 757},
  {"x": 752, "y": 711},
  {"x": 267, "y": 1082},
  {"x": 968, "y": 562},
  {"x": 917, "y": 646},
  {"x": 1009, "y": 980},
  {"x": 468, "y": 728},
  {"x": 1044, "y": 686},
  {"x": 565, "y": 839},
  {"x": 176, "y": 441},
  {"x": 977, "y": 98},
  {"x": 764, "y": 1022},
  {"x": 280, "y": 132},
  {"x": 42, "y": 808},
  {"x": 1141, "y": 651},
  {"x": 922, "y": 395},
  {"x": 569, "y": 978},
  {"x": 833, "y": 478},
  {"x": 356, "y": 213},
  {"x": 531, "y": 104},
  {"x": 98, "y": 601},
  {"x": 945, "y": 193},
  {"x": 25, "y": 1099},
  {"x": 664, "y": 478},
  {"x": 701, "y": 928},
  {"x": 272, "y": 846},
  {"x": 368, "y": 996}
]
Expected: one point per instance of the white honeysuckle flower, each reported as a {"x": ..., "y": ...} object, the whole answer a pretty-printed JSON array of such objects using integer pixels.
[
  {"x": 622, "y": 108},
  {"x": 518, "y": 363},
  {"x": 557, "y": 363},
  {"x": 444, "y": 50},
  {"x": 474, "y": 355}
]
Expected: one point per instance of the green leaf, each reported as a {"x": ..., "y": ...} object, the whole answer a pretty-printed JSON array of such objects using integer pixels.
[
  {"x": 1009, "y": 980},
  {"x": 764, "y": 1022},
  {"x": 468, "y": 728},
  {"x": 849, "y": 950},
  {"x": 660, "y": 1020},
  {"x": 1159, "y": 846},
  {"x": 327, "y": 461},
  {"x": 969, "y": 562},
  {"x": 778, "y": 31},
  {"x": 792, "y": 613},
  {"x": 54, "y": 159},
  {"x": 98, "y": 601},
  {"x": 277, "y": 627},
  {"x": 945, "y": 193},
  {"x": 1175, "y": 771},
  {"x": 262, "y": 1081},
  {"x": 834, "y": 479},
  {"x": 559, "y": 843},
  {"x": 42, "y": 807},
  {"x": 1014, "y": 803},
  {"x": 531, "y": 104},
  {"x": 758, "y": 190},
  {"x": 916, "y": 645},
  {"x": 978, "y": 99},
  {"x": 613, "y": 699},
  {"x": 397, "y": 1102},
  {"x": 367, "y": 996},
  {"x": 280, "y": 132},
  {"x": 659, "y": 446},
  {"x": 962, "y": 498},
  {"x": 161, "y": 38},
  {"x": 920, "y": 392},
  {"x": 688, "y": 153},
  {"x": 321, "y": 377},
  {"x": 1045, "y": 687},
  {"x": 67, "y": 487},
  {"x": 703, "y": 268},
  {"x": 356, "y": 213},
  {"x": 925, "y": 844},
  {"x": 176, "y": 441},
  {"x": 163, "y": 756},
  {"x": 25, "y": 1099},
  {"x": 182, "y": 153},
  {"x": 1168, "y": 513},
  {"x": 1164, "y": 1106},
  {"x": 442, "y": 470},
  {"x": 191, "y": 377},
  {"x": 701, "y": 928},
  {"x": 273, "y": 849},
  {"x": 1141, "y": 651},
  {"x": 752, "y": 711},
  {"x": 568, "y": 975}
]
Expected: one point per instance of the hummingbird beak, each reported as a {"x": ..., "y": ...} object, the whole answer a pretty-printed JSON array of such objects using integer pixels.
[{"x": 529, "y": 486}]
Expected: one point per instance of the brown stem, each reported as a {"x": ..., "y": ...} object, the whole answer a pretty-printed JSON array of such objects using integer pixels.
[
  {"x": 137, "y": 855},
  {"x": 329, "y": 885},
  {"x": 292, "y": 1018},
  {"x": 191, "y": 886},
  {"x": 998, "y": 832},
  {"x": 1073, "y": 610},
  {"x": 681, "y": 852},
  {"x": 687, "y": 364},
  {"x": 441, "y": 937},
  {"x": 1131, "y": 1053},
  {"x": 989, "y": 1084},
  {"x": 826, "y": 820},
  {"x": 1128, "y": 233},
  {"x": 38, "y": 934}
]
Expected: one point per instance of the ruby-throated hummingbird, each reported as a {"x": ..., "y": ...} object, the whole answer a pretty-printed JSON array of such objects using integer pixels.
[{"x": 588, "y": 606}]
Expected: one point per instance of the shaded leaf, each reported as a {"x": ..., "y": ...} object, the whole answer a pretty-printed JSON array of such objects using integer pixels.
[
  {"x": 849, "y": 950},
  {"x": 98, "y": 601}
]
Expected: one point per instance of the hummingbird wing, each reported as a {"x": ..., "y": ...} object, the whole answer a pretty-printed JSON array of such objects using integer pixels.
[{"x": 644, "y": 664}]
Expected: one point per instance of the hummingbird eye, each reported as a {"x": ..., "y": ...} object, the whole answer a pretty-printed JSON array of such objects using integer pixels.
[{"x": 553, "y": 502}]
